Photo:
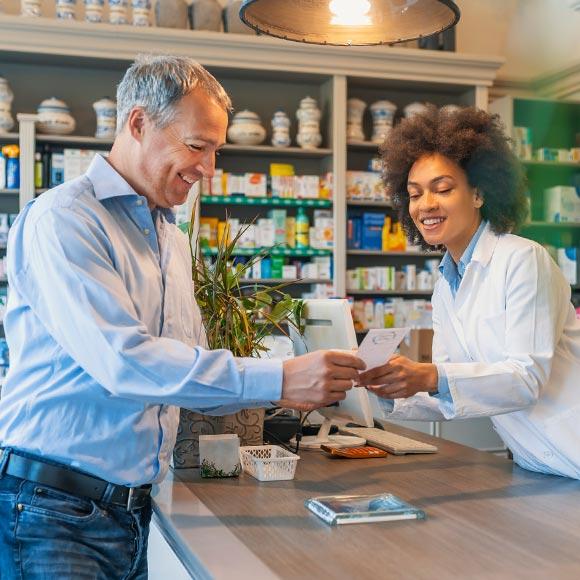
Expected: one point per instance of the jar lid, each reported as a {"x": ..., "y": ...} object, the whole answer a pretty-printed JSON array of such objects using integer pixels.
[{"x": 53, "y": 104}]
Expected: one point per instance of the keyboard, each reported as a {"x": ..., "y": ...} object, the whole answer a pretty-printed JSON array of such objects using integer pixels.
[{"x": 395, "y": 444}]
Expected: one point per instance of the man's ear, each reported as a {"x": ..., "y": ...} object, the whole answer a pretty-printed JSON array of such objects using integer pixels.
[{"x": 136, "y": 123}]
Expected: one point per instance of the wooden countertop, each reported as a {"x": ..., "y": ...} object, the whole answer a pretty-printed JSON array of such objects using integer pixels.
[{"x": 486, "y": 518}]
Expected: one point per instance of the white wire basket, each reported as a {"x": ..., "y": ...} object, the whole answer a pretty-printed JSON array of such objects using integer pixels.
[{"x": 268, "y": 462}]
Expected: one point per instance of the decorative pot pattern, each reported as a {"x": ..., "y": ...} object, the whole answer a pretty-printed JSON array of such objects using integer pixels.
[
  {"x": 118, "y": 11},
  {"x": 383, "y": 113},
  {"x": 94, "y": 10},
  {"x": 6, "y": 98},
  {"x": 141, "y": 12},
  {"x": 246, "y": 129},
  {"x": 248, "y": 424},
  {"x": 66, "y": 9},
  {"x": 54, "y": 117},
  {"x": 280, "y": 129},
  {"x": 308, "y": 115},
  {"x": 106, "y": 111}
]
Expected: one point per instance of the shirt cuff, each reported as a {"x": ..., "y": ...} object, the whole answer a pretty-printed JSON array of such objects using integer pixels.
[
  {"x": 442, "y": 385},
  {"x": 262, "y": 380}
]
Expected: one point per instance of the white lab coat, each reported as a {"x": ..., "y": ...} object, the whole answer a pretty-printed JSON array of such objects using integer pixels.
[{"x": 510, "y": 345}]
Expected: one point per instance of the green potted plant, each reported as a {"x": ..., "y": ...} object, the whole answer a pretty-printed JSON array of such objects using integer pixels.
[{"x": 238, "y": 316}]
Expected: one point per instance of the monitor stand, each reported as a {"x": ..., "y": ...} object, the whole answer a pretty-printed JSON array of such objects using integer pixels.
[{"x": 323, "y": 438}]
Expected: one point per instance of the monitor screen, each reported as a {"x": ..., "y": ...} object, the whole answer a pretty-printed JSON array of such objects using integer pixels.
[{"x": 329, "y": 325}]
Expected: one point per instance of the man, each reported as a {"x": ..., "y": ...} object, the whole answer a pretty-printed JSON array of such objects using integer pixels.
[{"x": 103, "y": 333}]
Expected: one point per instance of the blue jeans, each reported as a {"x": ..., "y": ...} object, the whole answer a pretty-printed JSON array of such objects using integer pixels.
[{"x": 47, "y": 534}]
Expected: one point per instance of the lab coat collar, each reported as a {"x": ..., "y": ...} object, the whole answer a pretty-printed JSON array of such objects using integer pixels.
[{"x": 485, "y": 246}]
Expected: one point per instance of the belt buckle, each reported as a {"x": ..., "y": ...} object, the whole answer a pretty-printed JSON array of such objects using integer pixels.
[{"x": 130, "y": 499}]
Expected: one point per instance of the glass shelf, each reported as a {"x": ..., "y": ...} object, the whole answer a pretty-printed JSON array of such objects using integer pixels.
[
  {"x": 274, "y": 201},
  {"x": 292, "y": 252}
]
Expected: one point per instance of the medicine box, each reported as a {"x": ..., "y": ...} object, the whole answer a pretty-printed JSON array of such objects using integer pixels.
[{"x": 562, "y": 204}]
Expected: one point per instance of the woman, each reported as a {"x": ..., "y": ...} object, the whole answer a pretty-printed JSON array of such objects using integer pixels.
[{"x": 506, "y": 338}]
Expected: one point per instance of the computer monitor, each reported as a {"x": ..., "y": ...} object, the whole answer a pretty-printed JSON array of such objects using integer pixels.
[{"x": 329, "y": 325}]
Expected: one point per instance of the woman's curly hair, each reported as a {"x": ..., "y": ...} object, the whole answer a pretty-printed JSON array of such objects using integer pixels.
[{"x": 475, "y": 140}]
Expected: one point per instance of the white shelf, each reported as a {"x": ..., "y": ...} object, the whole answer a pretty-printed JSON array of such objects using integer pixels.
[
  {"x": 270, "y": 151},
  {"x": 8, "y": 137},
  {"x": 72, "y": 139},
  {"x": 9, "y": 191}
]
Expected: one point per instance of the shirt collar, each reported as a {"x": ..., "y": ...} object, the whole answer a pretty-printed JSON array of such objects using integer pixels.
[
  {"x": 108, "y": 183},
  {"x": 449, "y": 269}
]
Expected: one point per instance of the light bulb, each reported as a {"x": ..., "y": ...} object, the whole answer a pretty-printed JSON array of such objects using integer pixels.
[{"x": 350, "y": 12}]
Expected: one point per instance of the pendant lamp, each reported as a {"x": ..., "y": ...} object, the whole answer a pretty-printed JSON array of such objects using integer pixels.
[{"x": 349, "y": 22}]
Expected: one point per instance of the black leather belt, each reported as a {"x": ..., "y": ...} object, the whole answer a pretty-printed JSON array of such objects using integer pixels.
[{"x": 75, "y": 482}]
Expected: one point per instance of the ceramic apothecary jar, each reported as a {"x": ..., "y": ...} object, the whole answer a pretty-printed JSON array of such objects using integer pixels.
[
  {"x": 308, "y": 110},
  {"x": 354, "y": 119},
  {"x": 383, "y": 113},
  {"x": 280, "y": 129},
  {"x": 66, "y": 9},
  {"x": 94, "y": 10},
  {"x": 309, "y": 136},
  {"x": 414, "y": 109},
  {"x": 141, "y": 12},
  {"x": 6, "y": 98},
  {"x": 246, "y": 129},
  {"x": 54, "y": 117},
  {"x": 118, "y": 10},
  {"x": 106, "y": 111}
]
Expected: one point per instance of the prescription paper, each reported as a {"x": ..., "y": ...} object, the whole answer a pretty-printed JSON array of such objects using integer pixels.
[{"x": 379, "y": 345}]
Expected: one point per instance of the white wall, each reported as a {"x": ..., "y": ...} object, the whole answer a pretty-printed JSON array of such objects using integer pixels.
[{"x": 535, "y": 36}]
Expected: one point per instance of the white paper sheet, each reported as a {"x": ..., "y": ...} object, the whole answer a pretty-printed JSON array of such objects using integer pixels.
[{"x": 379, "y": 345}]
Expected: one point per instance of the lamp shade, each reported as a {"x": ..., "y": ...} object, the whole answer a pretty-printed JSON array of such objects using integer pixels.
[{"x": 349, "y": 22}]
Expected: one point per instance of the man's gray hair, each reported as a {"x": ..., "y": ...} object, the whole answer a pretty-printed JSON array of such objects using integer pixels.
[{"x": 158, "y": 82}]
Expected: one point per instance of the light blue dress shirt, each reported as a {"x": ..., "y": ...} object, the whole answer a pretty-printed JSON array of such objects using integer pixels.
[
  {"x": 104, "y": 334},
  {"x": 453, "y": 273}
]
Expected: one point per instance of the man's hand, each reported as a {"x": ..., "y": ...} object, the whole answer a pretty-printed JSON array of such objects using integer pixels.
[
  {"x": 318, "y": 379},
  {"x": 400, "y": 378}
]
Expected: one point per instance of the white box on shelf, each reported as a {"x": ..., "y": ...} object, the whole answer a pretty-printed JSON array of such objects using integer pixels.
[
  {"x": 255, "y": 185},
  {"x": 562, "y": 204},
  {"x": 306, "y": 186},
  {"x": 289, "y": 272}
]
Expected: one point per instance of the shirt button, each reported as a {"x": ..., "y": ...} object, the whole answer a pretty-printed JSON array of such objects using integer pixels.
[
  {"x": 146, "y": 231},
  {"x": 139, "y": 202}
]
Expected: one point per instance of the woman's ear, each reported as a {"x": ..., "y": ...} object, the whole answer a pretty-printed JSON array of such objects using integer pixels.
[{"x": 478, "y": 199}]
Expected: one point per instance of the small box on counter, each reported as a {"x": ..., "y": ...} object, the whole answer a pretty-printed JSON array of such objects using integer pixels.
[
  {"x": 569, "y": 264},
  {"x": 418, "y": 344}
]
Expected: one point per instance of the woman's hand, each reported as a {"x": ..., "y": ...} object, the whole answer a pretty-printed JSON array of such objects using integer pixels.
[{"x": 400, "y": 378}]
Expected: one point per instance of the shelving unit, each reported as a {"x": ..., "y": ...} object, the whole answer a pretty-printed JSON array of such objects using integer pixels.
[
  {"x": 80, "y": 62},
  {"x": 554, "y": 124}
]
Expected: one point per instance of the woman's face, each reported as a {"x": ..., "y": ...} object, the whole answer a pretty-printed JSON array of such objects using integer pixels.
[{"x": 444, "y": 207}]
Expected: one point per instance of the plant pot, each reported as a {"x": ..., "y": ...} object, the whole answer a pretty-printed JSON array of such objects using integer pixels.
[{"x": 248, "y": 424}]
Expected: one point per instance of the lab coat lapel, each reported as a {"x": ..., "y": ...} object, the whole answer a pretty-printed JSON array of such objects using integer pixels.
[{"x": 466, "y": 297}]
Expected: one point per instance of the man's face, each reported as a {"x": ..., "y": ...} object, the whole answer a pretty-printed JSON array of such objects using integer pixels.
[{"x": 172, "y": 159}]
